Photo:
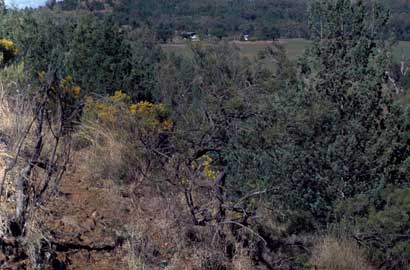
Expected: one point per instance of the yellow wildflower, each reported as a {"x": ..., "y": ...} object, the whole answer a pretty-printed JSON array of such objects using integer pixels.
[
  {"x": 107, "y": 112},
  {"x": 205, "y": 162},
  {"x": 133, "y": 108},
  {"x": 8, "y": 46},
  {"x": 168, "y": 124},
  {"x": 184, "y": 181},
  {"x": 76, "y": 91},
  {"x": 42, "y": 76},
  {"x": 68, "y": 78},
  {"x": 100, "y": 106},
  {"x": 144, "y": 107},
  {"x": 119, "y": 96}
]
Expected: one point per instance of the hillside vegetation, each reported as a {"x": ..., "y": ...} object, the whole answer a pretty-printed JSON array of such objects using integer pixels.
[
  {"x": 261, "y": 19},
  {"x": 115, "y": 154}
]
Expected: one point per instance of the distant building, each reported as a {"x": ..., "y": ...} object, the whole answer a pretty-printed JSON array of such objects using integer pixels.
[
  {"x": 195, "y": 38},
  {"x": 190, "y": 35}
]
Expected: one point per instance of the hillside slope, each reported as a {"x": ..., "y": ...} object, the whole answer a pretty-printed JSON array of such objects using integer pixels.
[{"x": 261, "y": 19}]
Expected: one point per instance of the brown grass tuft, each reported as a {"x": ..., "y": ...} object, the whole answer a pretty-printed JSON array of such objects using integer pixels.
[
  {"x": 15, "y": 116},
  {"x": 331, "y": 253},
  {"x": 242, "y": 260},
  {"x": 106, "y": 153}
]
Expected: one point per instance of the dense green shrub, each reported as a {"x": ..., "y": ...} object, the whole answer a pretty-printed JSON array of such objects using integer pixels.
[
  {"x": 99, "y": 55},
  {"x": 327, "y": 135},
  {"x": 405, "y": 82},
  {"x": 381, "y": 223},
  {"x": 98, "y": 50}
]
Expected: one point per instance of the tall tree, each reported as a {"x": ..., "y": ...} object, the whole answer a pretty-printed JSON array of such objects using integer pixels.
[
  {"x": 98, "y": 50},
  {"x": 328, "y": 134}
]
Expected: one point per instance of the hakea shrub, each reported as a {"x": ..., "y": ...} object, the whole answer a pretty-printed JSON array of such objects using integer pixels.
[{"x": 133, "y": 137}]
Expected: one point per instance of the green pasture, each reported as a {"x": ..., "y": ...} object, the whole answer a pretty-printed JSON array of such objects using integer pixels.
[{"x": 294, "y": 47}]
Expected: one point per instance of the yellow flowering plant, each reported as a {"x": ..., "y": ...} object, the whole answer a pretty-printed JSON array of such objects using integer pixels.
[
  {"x": 8, "y": 45},
  {"x": 9, "y": 50},
  {"x": 69, "y": 87},
  {"x": 140, "y": 128},
  {"x": 205, "y": 164},
  {"x": 118, "y": 110},
  {"x": 152, "y": 116}
]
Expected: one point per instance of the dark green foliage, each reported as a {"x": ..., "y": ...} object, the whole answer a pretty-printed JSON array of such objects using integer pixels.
[
  {"x": 338, "y": 134},
  {"x": 69, "y": 4},
  {"x": 98, "y": 50},
  {"x": 338, "y": 110},
  {"x": 405, "y": 82},
  {"x": 328, "y": 134},
  {"x": 145, "y": 60},
  {"x": 381, "y": 223},
  {"x": 97, "y": 53},
  {"x": 165, "y": 32},
  {"x": 207, "y": 93},
  {"x": 219, "y": 31},
  {"x": 41, "y": 38},
  {"x": 262, "y": 19},
  {"x": 219, "y": 18},
  {"x": 400, "y": 21}
]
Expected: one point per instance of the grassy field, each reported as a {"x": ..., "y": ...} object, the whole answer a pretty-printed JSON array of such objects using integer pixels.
[
  {"x": 294, "y": 47},
  {"x": 403, "y": 49}
]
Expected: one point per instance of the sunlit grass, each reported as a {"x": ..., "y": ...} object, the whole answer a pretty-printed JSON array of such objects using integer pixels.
[{"x": 294, "y": 47}]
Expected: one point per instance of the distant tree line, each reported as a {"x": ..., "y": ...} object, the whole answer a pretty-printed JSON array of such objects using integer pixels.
[{"x": 260, "y": 19}]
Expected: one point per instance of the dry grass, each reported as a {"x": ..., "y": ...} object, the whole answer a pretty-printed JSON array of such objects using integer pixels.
[
  {"x": 16, "y": 140},
  {"x": 8, "y": 189},
  {"x": 331, "y": 253},
  {"x": 15, "y": 115},
  {"x": 242, "y": 260},
  {"x": 133, "y": 258},
  {"x": 14, "y": 119},
  {"x": 105, "y": 151}
]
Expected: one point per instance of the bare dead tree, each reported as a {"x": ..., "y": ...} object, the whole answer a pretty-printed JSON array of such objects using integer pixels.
[
  {"x": 55, "y": 115},
  {"x": 404, "y": 70},
  {"x": 405, "y": 66},
  {"x": 393, "y": 81}
]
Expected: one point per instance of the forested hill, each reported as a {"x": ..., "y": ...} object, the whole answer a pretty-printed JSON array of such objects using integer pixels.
[{"x": 261, "y": 19}]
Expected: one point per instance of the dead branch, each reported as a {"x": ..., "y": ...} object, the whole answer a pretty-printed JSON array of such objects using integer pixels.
[
  {"x": 394, "y": 83},
  {"x": 246, "y": 228}
]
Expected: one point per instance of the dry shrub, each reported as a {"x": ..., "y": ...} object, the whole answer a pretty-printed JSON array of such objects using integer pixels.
[
  {"x": 107, "y": 153},
  {"x": 15, "y": 115},
  {"x": 333, "y": 253},
  {"x": 17, "y": 127},
  {"x": 134, "y": 259},
  {"x": 199, "y": 259},
  {"x": 15, "y": 118},
  {"x": 242, "y": 260},
  {"x": 8, "y": 189},
  {"x": 124, "y": 140}
]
